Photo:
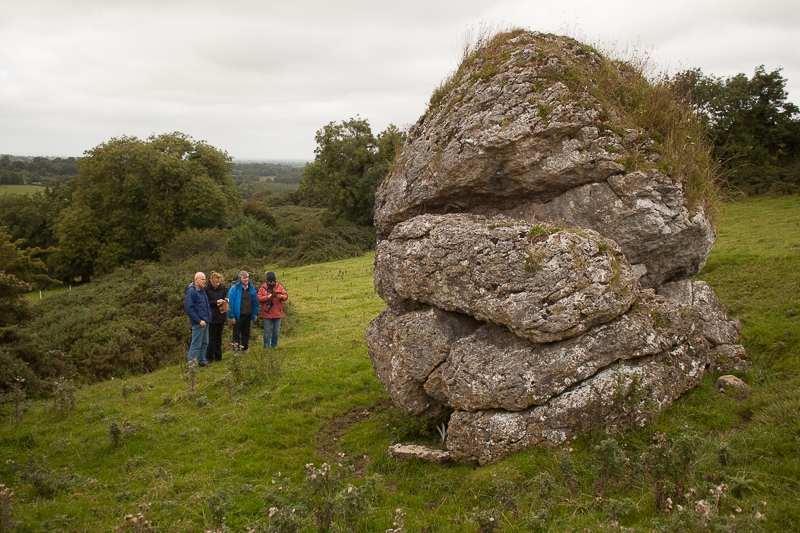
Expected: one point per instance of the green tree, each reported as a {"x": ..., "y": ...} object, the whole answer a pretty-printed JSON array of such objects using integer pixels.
[
  {"x": 350, "y": 162},
  {"x": 32, "y": 217},
  {"x": 754, "y": 127},
  {"x": 20, "y": 271},
  {"x": 133, "y": 197}
]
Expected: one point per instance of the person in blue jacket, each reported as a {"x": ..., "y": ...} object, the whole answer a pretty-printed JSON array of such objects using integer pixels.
[
  {"x": 243, "y": 309},
  {"x": 195, "y": 302}
]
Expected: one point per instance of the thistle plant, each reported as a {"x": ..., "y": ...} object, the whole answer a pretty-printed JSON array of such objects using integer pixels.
[
  {"x": 126, "y": 391},
  {"x": 228, "y": 381},
  {"x": 191, "y": 375},
  {"x": 7, "y": 522},
  {"x": 122, "y": 430},
  {"x": 17, "y": 396},
  {"x": 138, "y": 523},
  {"x": 64, "y": 395},
  {"x": 327, "y": 501}
]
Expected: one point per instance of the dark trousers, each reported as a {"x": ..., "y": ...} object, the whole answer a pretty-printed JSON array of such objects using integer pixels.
[
  {"x": 241, "y": 332},
  {"x": 214, "y": 352}
]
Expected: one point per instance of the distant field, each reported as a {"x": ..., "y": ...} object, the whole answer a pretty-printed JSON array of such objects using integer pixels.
[{"x": 20, "y": 189}]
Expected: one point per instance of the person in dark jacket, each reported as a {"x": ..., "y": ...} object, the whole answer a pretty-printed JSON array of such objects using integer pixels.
[
  {"x": 195, "y": 302},
  {"x": 217, "y": 294},
  {"x": 243, "y": 308},
  {"x": 272, "y": 295}
]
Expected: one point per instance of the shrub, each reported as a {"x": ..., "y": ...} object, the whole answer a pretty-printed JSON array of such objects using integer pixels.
[
  {"x": 258, "y": 210},
  {"x": 24, "y": 361},
  {"x": 193, "y": 242}
]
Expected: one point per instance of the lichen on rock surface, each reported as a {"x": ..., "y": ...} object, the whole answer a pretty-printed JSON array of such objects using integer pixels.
[{"x": 532, "y": 216}]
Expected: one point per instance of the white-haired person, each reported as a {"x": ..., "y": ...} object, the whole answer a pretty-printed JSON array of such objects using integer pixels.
[{"x": 195, "y": 302}]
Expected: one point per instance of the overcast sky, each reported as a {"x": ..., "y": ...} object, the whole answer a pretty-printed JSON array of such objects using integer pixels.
[{"x": 259, "y": 78}]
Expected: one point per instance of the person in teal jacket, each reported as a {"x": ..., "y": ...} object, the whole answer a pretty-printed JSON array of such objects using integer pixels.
[{"x": 243, "y": 309}]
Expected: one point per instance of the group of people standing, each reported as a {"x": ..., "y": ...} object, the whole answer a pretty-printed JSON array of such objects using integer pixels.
[{"x": 210, "y": 306}]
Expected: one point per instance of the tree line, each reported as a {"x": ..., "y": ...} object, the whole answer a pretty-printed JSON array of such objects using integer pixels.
[
  {"x": 45, "y": 171},
  {"x": 254, "y": 177},
  {"x": 755, "y": 130}
]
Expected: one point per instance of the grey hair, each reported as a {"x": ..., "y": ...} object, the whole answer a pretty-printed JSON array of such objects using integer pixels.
[{"x": 243, "y": 273}]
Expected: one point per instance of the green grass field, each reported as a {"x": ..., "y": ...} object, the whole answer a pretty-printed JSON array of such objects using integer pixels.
[
  {"x": 20, "y": 189},
  {"x": 246, "y": 439}
]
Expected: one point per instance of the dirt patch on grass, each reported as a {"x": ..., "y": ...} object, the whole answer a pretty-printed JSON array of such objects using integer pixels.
[{"x": 331, "y": 433}]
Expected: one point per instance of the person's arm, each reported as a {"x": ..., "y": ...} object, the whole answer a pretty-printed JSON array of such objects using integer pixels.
[
  {"x": 263, "y": 294},
  {"x": 188, "y": 305},
  {"x": 231, "y": 302}
]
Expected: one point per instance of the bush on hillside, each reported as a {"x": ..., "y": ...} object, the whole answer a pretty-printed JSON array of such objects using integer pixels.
[
  {"x": 304, "y": 236},
  {"x": 192, "y": 242},
  {"x": 259, "y": 211},
  {"x": 23, "y": 360}
]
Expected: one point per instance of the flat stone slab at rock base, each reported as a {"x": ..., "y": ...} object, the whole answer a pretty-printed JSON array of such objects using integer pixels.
[
  {"x": 623, "y": 397},
  {"x": 401, "y": 451},
  {"x": 544, "y": 285}
]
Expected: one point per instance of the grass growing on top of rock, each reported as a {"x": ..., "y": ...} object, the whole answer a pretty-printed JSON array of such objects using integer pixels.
[
  {"x": 624, "y": 92},
  {"x": 249, "y": 445}
]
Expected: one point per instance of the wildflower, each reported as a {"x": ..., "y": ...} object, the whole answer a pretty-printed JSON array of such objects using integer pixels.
[
  {"x": 272, "y": 511},
  {"x": 760, "y": 517}
]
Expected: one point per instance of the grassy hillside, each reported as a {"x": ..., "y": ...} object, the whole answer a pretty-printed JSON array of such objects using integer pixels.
[{"x": 246, "y": 440}]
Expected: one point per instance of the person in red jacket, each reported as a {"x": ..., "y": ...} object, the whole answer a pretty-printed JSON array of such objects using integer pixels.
[{"x": 272, "y": 295}]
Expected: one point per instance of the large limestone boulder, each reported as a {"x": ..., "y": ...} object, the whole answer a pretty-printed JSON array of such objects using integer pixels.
[{"x": 537, "y": 257}]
